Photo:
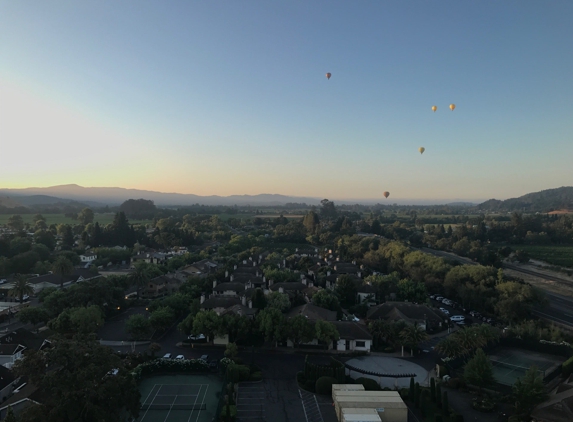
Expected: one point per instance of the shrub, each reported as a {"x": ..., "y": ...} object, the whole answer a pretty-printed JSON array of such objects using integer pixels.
[
  {"x": 232, "y": 412},
  {"x": 455, "y": 383},
  {"x": 404, "y": 393},
  {"x": 568, "y": 366},
  {"x": 256, "y": 376},
  {"x": 368, "y": 383},
  {"x": 389, "y": 349},
  {"x": 238, "y": 373},
  {"x": 324, "y": 385}
]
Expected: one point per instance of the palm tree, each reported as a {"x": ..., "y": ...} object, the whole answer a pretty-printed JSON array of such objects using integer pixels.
[
  {"x": 62, "y": 267},
  {"x": 21, "y": 287},
  {"x": 140, "y": 276},
  {"x": 411, "y": 336},
  {"x": 449, "y": 347}
]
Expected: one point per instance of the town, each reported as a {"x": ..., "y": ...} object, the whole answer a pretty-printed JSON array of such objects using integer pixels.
[{"x": 316, "y": 313}]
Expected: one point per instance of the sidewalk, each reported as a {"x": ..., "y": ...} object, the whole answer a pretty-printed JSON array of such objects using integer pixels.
[{"x": 123, "y": 343}]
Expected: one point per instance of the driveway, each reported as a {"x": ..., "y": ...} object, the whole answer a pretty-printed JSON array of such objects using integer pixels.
[{"x": 114, "y": 329}]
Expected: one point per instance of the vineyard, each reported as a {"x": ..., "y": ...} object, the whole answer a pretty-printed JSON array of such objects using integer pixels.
[{"x": 555, "y": 255}]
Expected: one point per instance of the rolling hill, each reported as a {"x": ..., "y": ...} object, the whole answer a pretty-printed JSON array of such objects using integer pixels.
[{"x": 542, "y": 201}]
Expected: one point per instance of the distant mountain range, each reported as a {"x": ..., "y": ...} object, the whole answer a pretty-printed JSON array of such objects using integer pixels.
[
  {"x": 543, "y": 201},
  {"x": 116, "y": 196}
]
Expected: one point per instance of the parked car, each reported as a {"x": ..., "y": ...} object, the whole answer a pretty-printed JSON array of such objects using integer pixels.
[
  {"x": 199, "y": 337},
  {"x": 456, "y": 318},
  {"x": 180, "y": 357},
  {"x": 167, "y": 356},
  {"x": 439, "y": 298},
  {"x": 433, "y": 296},
  {"x": 205, "y": 358},
  {"x": 3, "y": 281},
  {"x": 213, "y": 364},
  {"x": 445, "y": 311}
]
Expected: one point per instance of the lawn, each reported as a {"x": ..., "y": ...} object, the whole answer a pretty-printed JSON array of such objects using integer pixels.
[
  {"x": 555, "y": 255},
  {"x": 102, "y": 219}
]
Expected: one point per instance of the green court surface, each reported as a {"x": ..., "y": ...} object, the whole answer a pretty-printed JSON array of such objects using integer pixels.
[
  {"x": 179, "y": 398},
  {"x": 511, "y": 364}
]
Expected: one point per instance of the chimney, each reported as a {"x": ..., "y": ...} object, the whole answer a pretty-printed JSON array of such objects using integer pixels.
[
  {"x": 244, "y": 262},
  {"x": 296, "y": 250},
  {"x": 311, "y": 284},
  {"x": 234, "y": 267},
  {"x": 232, "y": 277},
  {"x": 281, "y": 290},
  {"x": 359, "y": 274},
  {"x": 264, "y": 280},
  {"x": 250, "y": 258},
  {"x": 284, "y": 263},
  {"x": 257, "y": 273},
  {"x": 270, "y": 283},
  {"x": 304, "y": 281},
  {"x": 254, "y": 264},
  {"x": 226, "y": 274},
  {"x": 328, "y": 273},
  {"x": 244, "y": 301},
  {"x": 337, "y": 258},
  {"x": 302, "y": 276},
  {"x": 330, "y": 251},
  {"x": 203, "y": 298},
  {"x": 214, "y": 283},
  {"x": 250, "y": 304}
]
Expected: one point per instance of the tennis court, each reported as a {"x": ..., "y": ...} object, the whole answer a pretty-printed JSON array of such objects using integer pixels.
[
  {"x": 511, "y": 364},
  {"x": 179, "y": 398}
]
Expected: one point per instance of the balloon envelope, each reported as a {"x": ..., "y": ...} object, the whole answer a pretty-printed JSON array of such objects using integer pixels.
[
  {"x": 386, "y": 194},
  {"x": 421, "y": 149},
  {"x": 328, "y": 75},
  {"x": 434, "y": 108},
  {"x": 452, "y": 106}
]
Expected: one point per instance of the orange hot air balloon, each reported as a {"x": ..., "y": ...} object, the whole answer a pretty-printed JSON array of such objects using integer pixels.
[
  {"x": 328, "y": 75},
  {"x": 421, "y": 149},
  {"x": 452, "y": 107},
  {"x": 386, "y": 194},
  {"x": 434, "y": 108}
]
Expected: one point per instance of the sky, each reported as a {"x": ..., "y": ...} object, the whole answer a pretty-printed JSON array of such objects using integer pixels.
[{"x": 230, "y": 97}]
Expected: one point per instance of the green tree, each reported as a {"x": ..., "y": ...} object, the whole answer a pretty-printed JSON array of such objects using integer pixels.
[
  {"x": 412, "y": 291},
  {"x": 86, "y": 216},
  {"x": 311, "y": 222},
  {"x": 528, "y": 391},
  {"x": 271, "y": 324},
  {"x": 154, "y": 348},
  {"x": 33, "y": 315},
  {"x": 411, "y": 336},
  {"x": 21, "y": 287},
  {"x": 162, "y": 318},
  {"x": 325, "y": 331},
  {"x": 16, "y": 222},
  {"x": 140, "y": 276},
  {"x": 346, "y": 289},
  {"x": 80, "y": 389},
  {"x": 207, "y": 323},
  {"x": 231, "y": 350},
  {"x": 299, "y": 330},
  {"x": 479, "y": 370},
  {"x": 10, "y": 416},
  {"x": 46, "y": 238},
  {"x": 259, "y": 299},
  {"x": 326, "y": 299},
  {"x": 62, "y": 266},
  {"x": 279, "y": 301},
  {"x": 138, "y": 327}
]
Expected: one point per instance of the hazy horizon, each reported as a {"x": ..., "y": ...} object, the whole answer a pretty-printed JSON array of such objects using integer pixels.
[{"x": 231, "y": 98}]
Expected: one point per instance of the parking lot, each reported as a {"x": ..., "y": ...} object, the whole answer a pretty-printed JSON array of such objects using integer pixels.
[{"x": 460, "y": 315}]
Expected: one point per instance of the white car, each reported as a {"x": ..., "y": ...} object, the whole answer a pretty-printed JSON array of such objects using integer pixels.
[
  {"x": 457, "y": 318},
  {"x": 197, "y": 337},
  {"x": 445, "y": 311},
  {"x": 167, "y": 356},
  {"x": 180, "y": 357}
]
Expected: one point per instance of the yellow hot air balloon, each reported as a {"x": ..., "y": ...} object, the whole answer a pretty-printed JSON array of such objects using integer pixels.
[
  {"x": 452, "y": 107},
  {"x": 434, "y": 108},
  {"x": 386, "y": 194},
  {"x": 328, "y": 75},
  {"x": 421, "y": 149}
]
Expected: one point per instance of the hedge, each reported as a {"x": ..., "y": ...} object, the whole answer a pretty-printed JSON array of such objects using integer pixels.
[
  {"x": 368, "y": 383},
  {"x": 169, "y": 365},
  {"x": 336, "y": 369},
  {"x": 324, "y": 385},
  {"x": 238, "y": 373},
  {"x": 232, "y": 412}
]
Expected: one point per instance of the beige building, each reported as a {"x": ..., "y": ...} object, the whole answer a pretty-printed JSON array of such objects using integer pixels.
[{"x": 388, "y": 405}]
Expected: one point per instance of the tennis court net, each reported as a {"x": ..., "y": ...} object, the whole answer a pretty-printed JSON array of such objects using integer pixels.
[
  {"x": 514, "y": 367},
  {"x": 185, "y": 406}
]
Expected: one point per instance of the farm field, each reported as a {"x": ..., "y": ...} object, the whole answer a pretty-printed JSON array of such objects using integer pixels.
[
  {"x": 226, "y": 217},
  {"x": 102, "y": 219},
  {"x": 555, "y": 255}
]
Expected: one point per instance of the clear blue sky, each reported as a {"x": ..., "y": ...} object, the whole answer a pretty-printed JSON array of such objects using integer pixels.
[{"x": 230, "y": 97}]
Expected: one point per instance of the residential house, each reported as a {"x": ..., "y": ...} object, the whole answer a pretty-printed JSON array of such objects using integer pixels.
[
  {"x": 353, "y": 337},
  {"x": 88, "y": 258},
  {"x": 413, "y": 314},
  {"x": 24, "y": 395},
  {"x": 312, "y": 313},
  {"x": 7, "y": 383},
  {"x": 53, "y": 280},
  {"x": 366, "y": 293},
  {"x": 10, "y": 353},
  {"x": 558, "y": 407},
  {"x": 201, "y": 268},
  {"x": 25, "y": 338},
  {"x": 161, "y": 286},
  {"x": 219, "y": 304}
]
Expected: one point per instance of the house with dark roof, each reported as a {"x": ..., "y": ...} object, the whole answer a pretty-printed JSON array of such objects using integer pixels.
[
  {"x": 88, "y": 257},
  {"x": 420, "y": 315},
  {"x": 366, "y": 293},
  {"x": 219, "y": 303},
  {"x": 161, "y": 286},
  {"x": 312, "y": 313},
  {"x": 24, "y": 395},
  {"x": 353, "y": 337},
  {"x": 53, "y": 280},
  {"x": 558, "y": 407},
  {"x": 200, "y": 268},
  {"x": 7, "y": 383},
  {"x": 25, "y": 338},
  {"x": 10, "y": 353}
]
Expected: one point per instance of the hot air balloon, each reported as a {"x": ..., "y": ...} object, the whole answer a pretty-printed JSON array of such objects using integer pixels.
[
  {"x": 386, "y": 194},
  {"x": 434, "y": 108},
  {"x": 421, "y": 149},
  {"x": 328, "y": 75},
  {"x": 452, "y": 107}
]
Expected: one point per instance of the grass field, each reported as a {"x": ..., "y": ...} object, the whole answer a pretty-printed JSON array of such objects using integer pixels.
[
  {"x": 555, "y": 255},
  {"x": 226, "y": 217},
  {"x": 102, "y": 219}
]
